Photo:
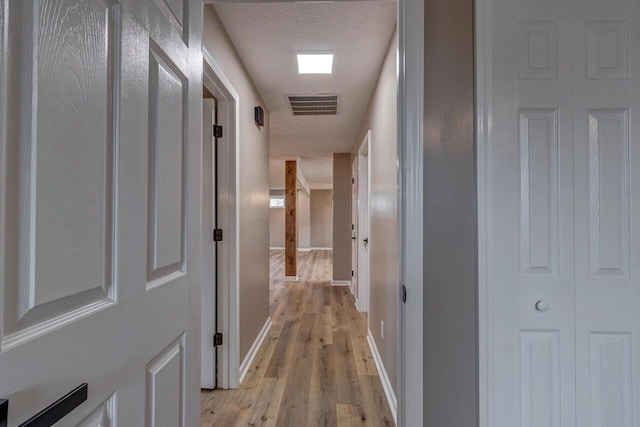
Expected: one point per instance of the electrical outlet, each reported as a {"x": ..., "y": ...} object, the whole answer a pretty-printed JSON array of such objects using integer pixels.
[{"x": 382, "y": 329}]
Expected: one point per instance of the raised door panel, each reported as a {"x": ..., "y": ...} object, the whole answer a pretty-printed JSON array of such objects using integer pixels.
[
  {"x": 104, "y": 415},
  {"x": 167, "y": 147},
  {"x": 60, "y": 162},
  {"x": 165, "y": 387},
  {"x": 540, "y": 379}
]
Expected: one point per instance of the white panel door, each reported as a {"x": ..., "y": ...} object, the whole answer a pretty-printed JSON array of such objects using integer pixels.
[
  {"x": 354, "y": 228},
  {"x": 363, "y": 232},
  {"x": 563, "y": 202},
  {"x": 99, "y": 166}
]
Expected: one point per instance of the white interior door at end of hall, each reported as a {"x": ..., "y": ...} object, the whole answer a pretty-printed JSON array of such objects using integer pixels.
[
  {"x": 564, "y": 226},
  {"x": 354, "y": 228},
  {"x": 99, "y": 209},
  {"x": 363, "y": 232},
  {"x": 208, "y": 359}
]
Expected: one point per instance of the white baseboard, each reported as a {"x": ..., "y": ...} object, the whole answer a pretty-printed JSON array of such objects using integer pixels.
[
  {"x": 246, "y": 363},
  {"x": 291, "y": 278},
  {"x": 304, "y": 249},
  {"x": 341, "y": 283},
  {"x": 384, "y": 378},
  {"x": 276, "y": 248},
  {"x": 321, "y": 249}
]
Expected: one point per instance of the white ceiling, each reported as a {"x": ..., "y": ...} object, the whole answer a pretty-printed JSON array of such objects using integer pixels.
[
  {"x": 267, "y": 37},
  {"x": 318, "y": 173}
]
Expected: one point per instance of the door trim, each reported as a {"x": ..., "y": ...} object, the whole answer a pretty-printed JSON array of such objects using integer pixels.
[
  {"x": 410, "y": 210},
  {"x": 484, "y": 134},
  {"x": 228, "y": 275}
]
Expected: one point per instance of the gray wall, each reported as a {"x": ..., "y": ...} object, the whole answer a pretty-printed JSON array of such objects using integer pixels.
[
  {"x": 276, "y": 223},
  {"x": 342, "y": 216},
  {"x": 253, "y": 201},
  {"x": 321, "y": 219},
  {"x": 381, "y": 119},
  {"x": 450, "y": 218},
  {"x": 303, "y": 218}
]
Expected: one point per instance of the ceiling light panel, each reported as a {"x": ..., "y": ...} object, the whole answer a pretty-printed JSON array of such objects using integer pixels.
[{"x": 315, "y": 63}]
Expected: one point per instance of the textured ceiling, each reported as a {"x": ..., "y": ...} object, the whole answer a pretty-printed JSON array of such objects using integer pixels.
[
  {"x": 267, "y": 37},
  {"x": 317, "y": 172}
]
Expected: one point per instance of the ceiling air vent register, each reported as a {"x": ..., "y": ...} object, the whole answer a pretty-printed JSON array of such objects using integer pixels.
[{"x": 313, "y": 105}]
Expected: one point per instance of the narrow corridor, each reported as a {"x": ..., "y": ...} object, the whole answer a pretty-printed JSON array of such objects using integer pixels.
[{"x": 315, "y": 367}]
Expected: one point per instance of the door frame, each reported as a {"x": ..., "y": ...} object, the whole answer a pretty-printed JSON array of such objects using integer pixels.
[
  {"x": 410, "y": 205},
  {"x": 215, "y": 80},
  {"x": 364, "y": 277},
  {"x": 410, "y": 210},
  {"x": 484, "y": 135}
]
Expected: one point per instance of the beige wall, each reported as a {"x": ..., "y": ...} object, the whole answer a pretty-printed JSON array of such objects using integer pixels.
[
  {"x": 381, "y": 119},
  {"x": 341, "y": 216},
  {"x": 253, "y": 198},
  {"x": 276, "y": 223},
  {"x": 321, "y": 219},
  {"x": 303, "y": 218}
]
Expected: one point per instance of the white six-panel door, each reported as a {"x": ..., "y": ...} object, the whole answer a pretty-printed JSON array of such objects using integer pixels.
[
  {"x": 563, "y": 174},
  {"x": 99, "y": 208}
]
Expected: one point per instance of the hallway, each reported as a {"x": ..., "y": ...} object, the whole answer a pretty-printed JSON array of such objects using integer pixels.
[{"x": 315, "y": 367}]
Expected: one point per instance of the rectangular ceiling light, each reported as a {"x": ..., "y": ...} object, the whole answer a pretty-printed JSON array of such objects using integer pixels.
[{"x": 315, "y": 63}]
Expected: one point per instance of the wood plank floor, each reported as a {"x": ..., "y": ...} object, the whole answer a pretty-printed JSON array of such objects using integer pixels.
[{"x": 314, "y": 368}]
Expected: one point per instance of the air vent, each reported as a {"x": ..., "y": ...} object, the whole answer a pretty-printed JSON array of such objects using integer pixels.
[{"x": 315, "y": 105}]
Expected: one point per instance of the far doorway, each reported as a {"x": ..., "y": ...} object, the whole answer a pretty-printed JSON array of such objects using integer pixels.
[{"x": 363, "y": 217}]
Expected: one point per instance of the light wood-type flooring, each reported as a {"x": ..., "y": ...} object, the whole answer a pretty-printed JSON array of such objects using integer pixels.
[{"x": 314, "y": 368}]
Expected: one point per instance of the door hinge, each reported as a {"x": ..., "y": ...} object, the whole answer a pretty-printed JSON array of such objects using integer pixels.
[
  {"x": 217, "y": 131},
  {"x": 404, "y": 294},
  {"x": 353, "y": 180},
  {"x": 217, "y": 339},
  {"x": 217, "y": 235},
  {"x": 351, "y": 273}
]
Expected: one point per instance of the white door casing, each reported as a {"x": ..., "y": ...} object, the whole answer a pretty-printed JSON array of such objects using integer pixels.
[
  {"x": 100, "y": 208},
  {"x": 559, "y": 122},
  {"x": 227, "y": 111}
]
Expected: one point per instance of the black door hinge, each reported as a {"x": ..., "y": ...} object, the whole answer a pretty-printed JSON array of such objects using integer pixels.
[
  {"x": 217, "y": 131},
  {"x": 404, "y": 294},
  {"x": 217, "y": 339},
  {"x": 217, "y": 235},
  {"x": 353, "y": 180},
  {"x": 351, "y": 273}
]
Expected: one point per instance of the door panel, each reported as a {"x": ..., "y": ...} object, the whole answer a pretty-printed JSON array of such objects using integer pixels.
[
  {"x": 100, "y": 149},
  {"x": 167, "y": 144},
  {"x": 60, "y": 189},
  {"x": 563, "y": 154},
  {"x": 607, "y": 197},
  {"x": 532, "y": 234}
]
